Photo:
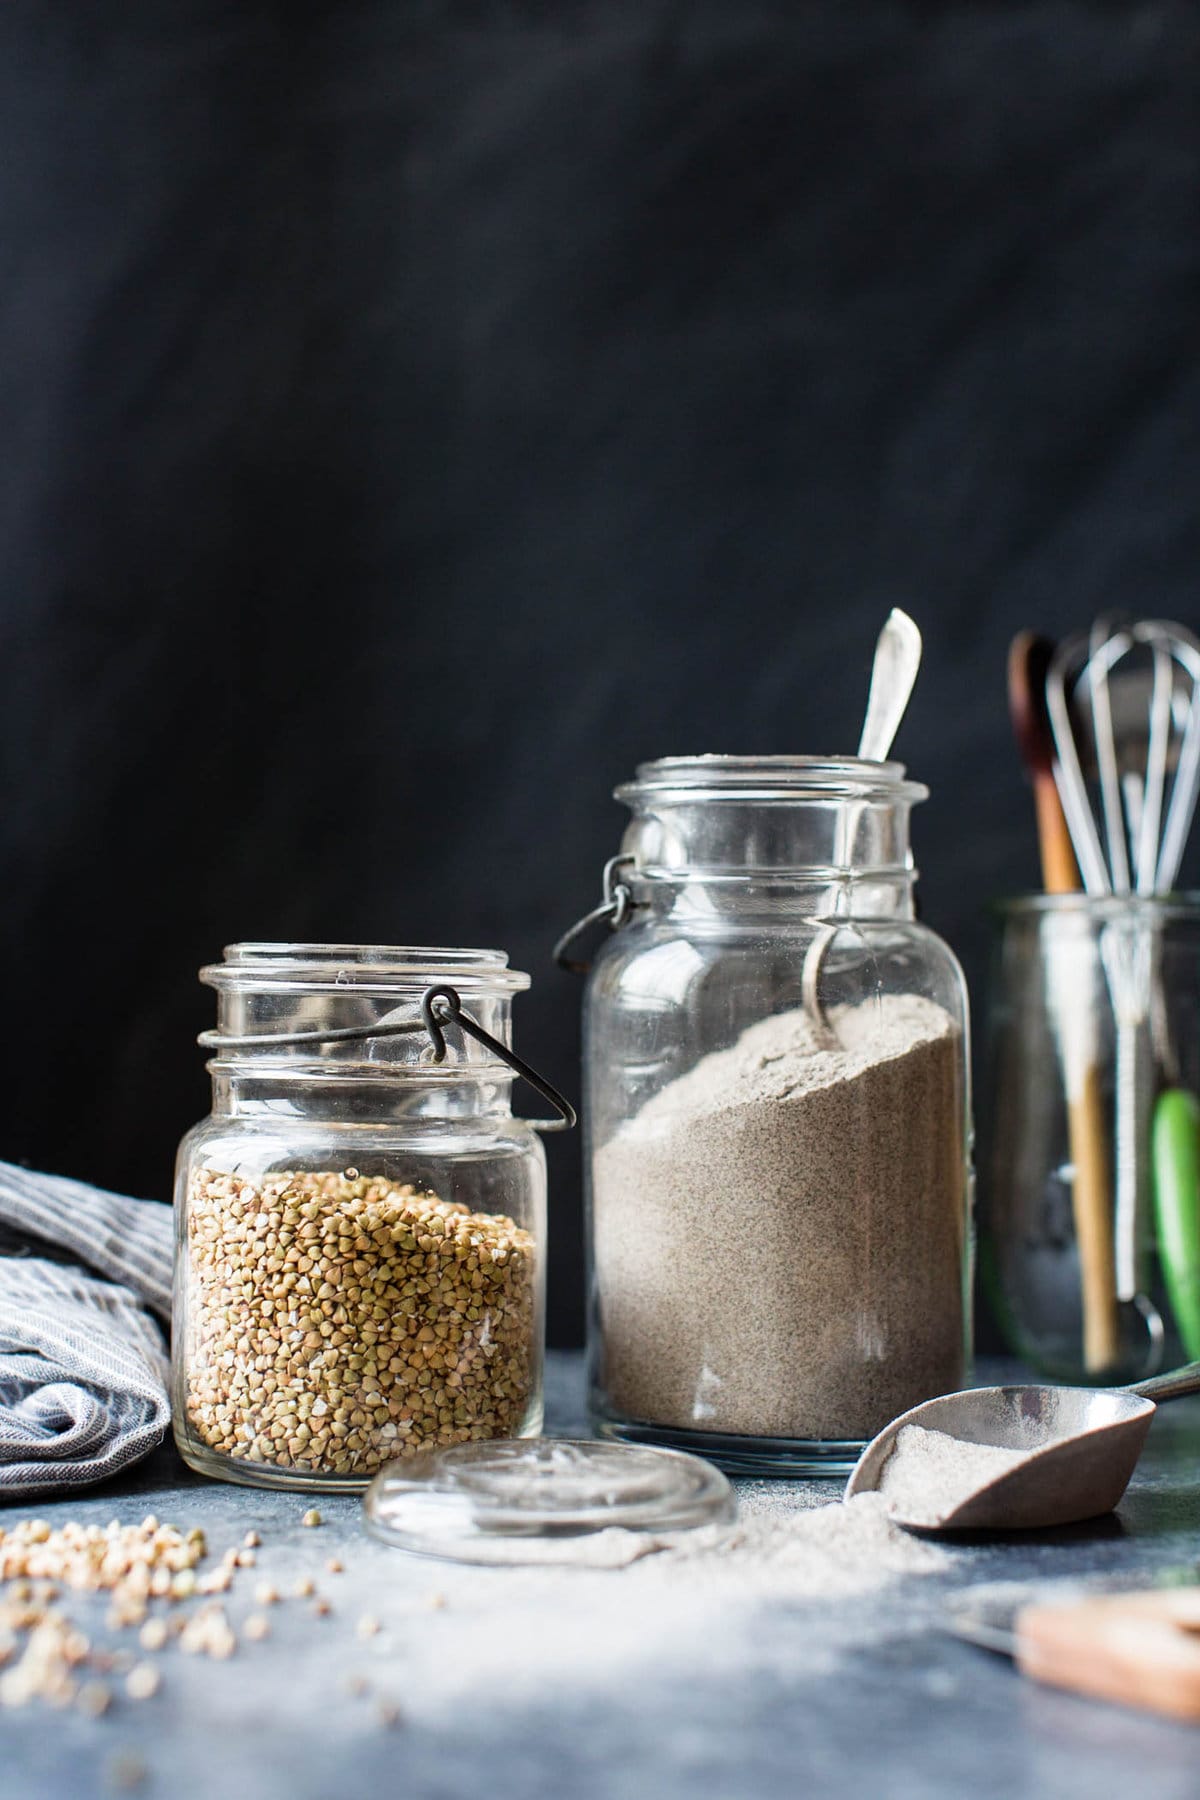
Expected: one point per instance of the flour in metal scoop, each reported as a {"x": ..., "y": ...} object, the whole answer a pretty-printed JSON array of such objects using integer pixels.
[{"x": 929, "y": 1473}]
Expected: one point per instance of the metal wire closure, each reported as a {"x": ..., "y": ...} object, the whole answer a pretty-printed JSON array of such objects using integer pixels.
[
  {"x": 615, "y": 908},
  {"x": 810, "y": 984},
  {"x": 440, "y": 1006}
]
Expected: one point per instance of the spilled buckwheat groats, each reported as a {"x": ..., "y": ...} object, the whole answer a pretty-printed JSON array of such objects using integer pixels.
[
  {"x": 45, "y": 1655},
  {"x": 155, "y": 1586}
]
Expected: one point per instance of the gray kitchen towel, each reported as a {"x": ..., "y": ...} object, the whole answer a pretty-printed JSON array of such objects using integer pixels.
[{"x": 83, "y": 1365}]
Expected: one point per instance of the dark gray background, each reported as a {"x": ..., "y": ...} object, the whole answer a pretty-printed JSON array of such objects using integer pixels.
[{"x": 416, "y": 414}]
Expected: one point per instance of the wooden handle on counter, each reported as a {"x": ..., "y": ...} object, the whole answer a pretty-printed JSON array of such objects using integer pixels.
[{"x": 1137, "y": 1649}]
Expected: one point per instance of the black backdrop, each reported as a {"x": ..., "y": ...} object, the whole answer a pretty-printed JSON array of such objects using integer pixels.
[{"x": 414, "y": 414}]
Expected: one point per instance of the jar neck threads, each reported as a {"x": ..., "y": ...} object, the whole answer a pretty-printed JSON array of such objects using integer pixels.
[
  {"x": 276, "y": 1000},
  {"x": 787, "y": 835},
  {"x": 757, "y": 902},
  {"x": 382, "y": 1097}
]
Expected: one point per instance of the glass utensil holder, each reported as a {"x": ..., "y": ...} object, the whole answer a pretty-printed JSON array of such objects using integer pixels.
[{"x": 1090, "y": 1215}]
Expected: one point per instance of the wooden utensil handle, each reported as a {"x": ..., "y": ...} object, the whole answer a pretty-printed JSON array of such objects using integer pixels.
[
  {"x": 1060, "y": 871},
  {"x": 1090, "y": 1194},
  {"x": 1094, "y": 1225},
  {"x": 1137, "y": 1649}
]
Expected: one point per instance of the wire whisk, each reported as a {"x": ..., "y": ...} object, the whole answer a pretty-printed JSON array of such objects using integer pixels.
[{"x": 1123, "y": 707}]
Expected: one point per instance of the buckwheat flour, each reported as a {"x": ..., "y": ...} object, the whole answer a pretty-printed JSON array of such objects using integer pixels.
[
  {"x": 779, "y": 1232},
  {"x": 929, "y": 1473}
]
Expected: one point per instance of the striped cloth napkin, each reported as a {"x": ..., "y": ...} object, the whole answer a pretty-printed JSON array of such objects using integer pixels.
[{"x": 83, "y": 1364}]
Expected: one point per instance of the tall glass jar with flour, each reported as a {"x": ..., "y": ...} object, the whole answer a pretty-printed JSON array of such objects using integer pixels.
[{"x": 777, "y": 1117}]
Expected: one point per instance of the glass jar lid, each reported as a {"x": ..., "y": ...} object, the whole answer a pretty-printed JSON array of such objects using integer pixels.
[{"x": 544, "y": 1500}]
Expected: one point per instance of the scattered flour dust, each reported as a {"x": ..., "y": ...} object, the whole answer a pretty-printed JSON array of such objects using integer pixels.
[
  {"x": 632, "y": 1612},
  {"x": 821, "y": 1552},
  {"x": 824, "y": 1553}
]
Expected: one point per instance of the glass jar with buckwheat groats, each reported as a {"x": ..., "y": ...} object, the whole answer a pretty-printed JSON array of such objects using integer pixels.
[{"x": 360, "y": 1221}]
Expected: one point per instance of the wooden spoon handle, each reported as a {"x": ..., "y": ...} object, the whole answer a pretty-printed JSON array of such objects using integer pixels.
[
  {"x": 1060, "y": 871},
  {"x": 1094, "y": 1225},
  {"x": 1085, "y": 1123},
  {"x": 1137, "y": 1649}
]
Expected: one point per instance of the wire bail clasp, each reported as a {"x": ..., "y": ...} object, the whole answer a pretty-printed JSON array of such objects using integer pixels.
[
  {"x": 615, "y": 908},
  {"x": 440, "y": 1006}
]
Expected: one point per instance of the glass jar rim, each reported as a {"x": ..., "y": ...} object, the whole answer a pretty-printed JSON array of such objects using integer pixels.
[
  {"x": 1183, "y": 905},
  {"x": 386, "y": 968},
  {"x": 771, "y": 778}
]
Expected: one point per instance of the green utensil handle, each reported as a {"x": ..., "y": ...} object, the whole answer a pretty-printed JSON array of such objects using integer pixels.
[{"x": 1176, "y": 1162}]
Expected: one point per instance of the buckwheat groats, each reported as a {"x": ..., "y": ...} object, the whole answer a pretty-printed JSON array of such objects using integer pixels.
[{"x": 335, "y": 1321}]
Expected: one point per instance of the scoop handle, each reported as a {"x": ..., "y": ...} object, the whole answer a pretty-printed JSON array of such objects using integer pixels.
[{"x": 1171, "y": 1386}]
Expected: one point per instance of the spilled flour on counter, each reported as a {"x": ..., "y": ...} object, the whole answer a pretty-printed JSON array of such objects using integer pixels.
[
  {"x": 694, "y": 1610},
  {"x": 818, "y": 1552},
  {"x": 929, "y": 1473},
  {"x": 822, "y": 1553}
]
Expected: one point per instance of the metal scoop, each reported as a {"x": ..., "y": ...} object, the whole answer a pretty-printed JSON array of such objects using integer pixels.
[{"x": 1081, "y": 1445}]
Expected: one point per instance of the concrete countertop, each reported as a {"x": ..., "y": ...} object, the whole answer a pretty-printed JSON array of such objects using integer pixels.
[{"x": 517, "y": 1690}]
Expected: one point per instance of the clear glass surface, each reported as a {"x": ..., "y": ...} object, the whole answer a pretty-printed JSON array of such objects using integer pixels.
[
  {"x": 536, "y": 1502},
  {"x": 1093, "y": 1023},
  {"x": 360, "y": 1231},
  {"x": 777, "y": 1121}
]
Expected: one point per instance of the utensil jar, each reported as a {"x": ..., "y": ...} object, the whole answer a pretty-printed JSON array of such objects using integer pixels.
[
  {"x": 1090, "y": 1247},
  {"x": 360, "y": 1221},
  {"x": 777, "y": 1142}
]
